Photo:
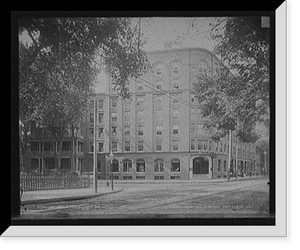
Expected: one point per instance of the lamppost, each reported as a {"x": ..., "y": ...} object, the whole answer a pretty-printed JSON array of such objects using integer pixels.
[{"x": 111, "y": 158}]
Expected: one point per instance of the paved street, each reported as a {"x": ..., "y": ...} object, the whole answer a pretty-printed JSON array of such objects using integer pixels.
[{"x": 234, "y": 198}]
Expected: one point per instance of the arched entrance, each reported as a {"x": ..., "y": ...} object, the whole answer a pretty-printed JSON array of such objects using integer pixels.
[{"x": 200, "y": 166}]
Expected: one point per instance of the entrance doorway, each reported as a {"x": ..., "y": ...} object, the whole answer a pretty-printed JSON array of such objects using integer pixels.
[{"x": 200, "y": 166}]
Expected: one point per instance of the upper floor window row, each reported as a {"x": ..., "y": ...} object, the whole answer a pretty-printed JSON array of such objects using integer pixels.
[{"x": 160, "y": 68}]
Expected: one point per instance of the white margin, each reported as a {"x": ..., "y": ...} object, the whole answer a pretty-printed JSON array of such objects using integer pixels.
[{"x": 281, "y": 174}]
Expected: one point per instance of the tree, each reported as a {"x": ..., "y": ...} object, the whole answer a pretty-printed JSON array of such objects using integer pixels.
[
  {"x": 60, "y": 62},
  {"x": 237, "y": 98},
  {"x": 244, "y": 48}
]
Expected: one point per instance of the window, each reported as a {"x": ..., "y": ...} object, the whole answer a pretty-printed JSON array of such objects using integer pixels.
[
  {"x": 225, "y": 165},
  {"x": 159, "y": 129},
  {"x": 100, "y": 146},
  {"x": 140, "y": 166},
  {"x": 127, "y": 146},
  {"x": 193, "y": 144},
  {"x": 199, "y": 129},
  {"x": 115, "y": 166},
  {"x": 158, "y": 145},
  {"x": 175, "y": 177},
  {"x": 65, "y": 163},
  {"x": 159, "y": 177},
  {"x": 159, "y": 99},
  {"x": 176, "y": 83},
  {"x": 159, "y": 166},
  {"x": 140, "y": 101},
  {"x": 159, "y": 84},
  {"x": 140, "y": 115},
  {"x": 176, "y": 68},
  {"x": 91, "y": 147},
  {"x": 127, "y": 166},
  {"x": 98, "y": 167},
  {"x": 221, "y": 147},
  {"x": 175, "y": 145},
  {"x": 219, "y": 165},
  {"x": 100, "y": 132},
  {"x": 114, "y": 117},
  {"x": 175, "y": 165},
  {"x": 114, "y": 130},
  {"x": 175, "y": 99},
  {"x": 140, "y": 177},
  {"x": 34, "y": 146},
  {"x": 205, "y": 144},
  {"x": 91, "y": 118},
  {"x": 140, "y": 86},
  {"x": 200, "y": 144},
  {"x": 91, "y": 132},
  {"x": 127, "y": 103},
  {"x": 127, "y": 177},
  {"x": 48, "y": 146},
  {"x": 193, "y": 99},
  {"x": 175, "y": 113},
  {"x": 114, "y": 102},
  {"x": 193, "y": 128},
  {"x": 100, "y": 104},
  {"x": 159, "y": 114},
  {"x": 127, "y": 130},
  {"x": 100, "y": 117},
  {"x": 210, "y": 145},
  {"x": 114, "y": 146},
  {"x": 159, "y": 69},
  {"x": 175, "y": 129},
  {"x": 140, "y": 129},
  {"x": 80, "y": 147},
  {"x": 34, "y": 164},
  {"x": 49, "y": 163},
  {"x": 127, "y": 116},
  {"x": 140, "y": 145},
  {"x": 91, "y": 104},
  {"x": 66, "y": 146},
  {"x": 193, "y": 113}
]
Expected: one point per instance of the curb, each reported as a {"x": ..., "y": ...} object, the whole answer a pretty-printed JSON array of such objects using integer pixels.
[
  {"x": 70, "y": 198},
  {"x": 186, "y": 181}
]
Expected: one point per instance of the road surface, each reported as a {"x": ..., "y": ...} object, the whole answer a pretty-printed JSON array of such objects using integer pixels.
[{"x": 233, "y": 198}]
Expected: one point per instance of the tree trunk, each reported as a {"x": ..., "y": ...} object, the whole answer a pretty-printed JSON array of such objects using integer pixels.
[
  {"x": 24, "y": 149},
  {"x": 59, "y": 149},
  {"x": 72, "y": 148},
  {"x": 229, "y": 156}
]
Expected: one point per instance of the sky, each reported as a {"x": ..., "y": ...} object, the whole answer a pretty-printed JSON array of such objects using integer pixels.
[{"x": 181, "y": 31}]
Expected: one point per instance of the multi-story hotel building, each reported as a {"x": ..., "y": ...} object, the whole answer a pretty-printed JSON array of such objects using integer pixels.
[{"x": 159, "y": 134}]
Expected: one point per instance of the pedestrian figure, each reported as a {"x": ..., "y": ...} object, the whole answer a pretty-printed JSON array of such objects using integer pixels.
[{"x": 107, "y": 184}]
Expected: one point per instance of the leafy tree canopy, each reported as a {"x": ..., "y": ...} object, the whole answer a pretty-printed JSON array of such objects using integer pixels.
[
  {"x": 59, "y": 63},
  {"x": 237, "y": 99}
]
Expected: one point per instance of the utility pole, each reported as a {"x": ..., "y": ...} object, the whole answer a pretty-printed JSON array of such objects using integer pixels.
[
  {"x": 229, "y": 156},
  {"x": 111, "y": 158},
  {"x": 95, "y": 146},
  {"x": 236, "y": 156}
]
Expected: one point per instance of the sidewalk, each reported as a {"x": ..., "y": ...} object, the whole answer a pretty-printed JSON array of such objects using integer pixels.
[{"x": 45, "y": 196}]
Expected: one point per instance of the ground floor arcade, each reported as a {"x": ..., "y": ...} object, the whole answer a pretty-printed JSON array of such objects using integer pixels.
[{"x": 165, "y": 166}]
